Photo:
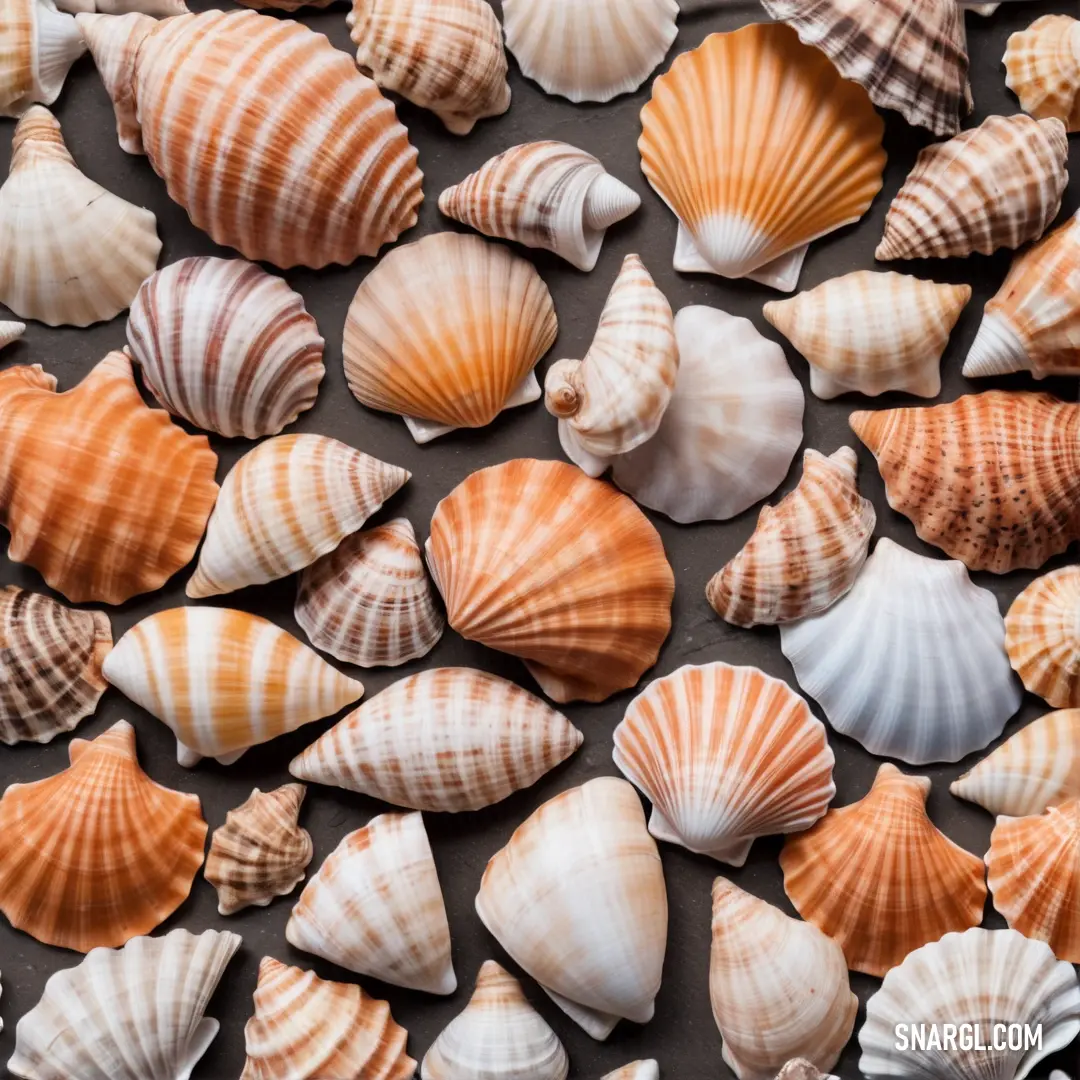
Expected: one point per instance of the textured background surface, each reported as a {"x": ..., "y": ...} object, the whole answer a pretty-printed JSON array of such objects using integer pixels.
[{"x": 682, "y": 1036}]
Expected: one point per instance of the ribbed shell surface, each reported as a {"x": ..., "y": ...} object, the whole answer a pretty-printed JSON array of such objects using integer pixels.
[
  {"x": 38, "y": 44},
  {"x": 1042, "y": 637},
  {"x": 1043, "y": 65}
]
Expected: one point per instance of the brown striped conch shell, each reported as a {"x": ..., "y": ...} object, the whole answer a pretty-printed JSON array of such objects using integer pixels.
[
  {"x": 10, "y": 332},
  {"x": 443, "y": 55},
  {"x": 74, "y": 253},
  {"x": 535, "y": 559},
  {"x": 316, "y": 168},
  {"x": 992, "y": 479},
  {"x": 779, "y": 987},
  {"x": 307, "y": 1028},
  {"x": 748, "y": 205},
  {"x": 583, "y": 863},
  {"x": 112, "y": 513},
  {"x": 449, "y": 739},
  {"x": 546, "y": 195},
  {"x": 725, "y": 755},
  {"x": 369, "y": 602},
  {"x": 498, "y": 1036},
  {"x": 224, "y": 681},
  {"x": 226, "y": 346},
  {"x": 613, "y": 400},
  {"x": 636, "y": 1070},
  {"x": 1043, "y": 65},
  {"x": 283, "y": 505},
  {"x": 805, "y": 552},
  {"x": 446, "y": 333},
  {"x": 97, "y": 853},
  {"x": 38, "y": 45},
  {"x": 1042, "y": 637},
  {"x": 879, "y": 878},
  {"x": 870, "y": 332},
  {"x": 260, "y": 852},
  {"x": 375, "y": 907}
]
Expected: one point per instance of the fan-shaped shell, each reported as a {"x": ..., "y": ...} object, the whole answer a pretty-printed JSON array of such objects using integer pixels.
[
  {"x": 448, "y": 739},
  {"x": 223, "y": 680},
  {"x": 226, "y": 346},
  {"x": 1042, "y": 637},
  {"x": 11, "y": 331},
  {"x": 446, "y": 332},
  {"x": 114, "y": 512},
  {"x": 38, "y": 45},
  {"x": 759, "y": 147},
  {"x": 725, "y": 754},
  {"x": 583, "y": 865},
  {"x": 1043, "y": 65},
  {"x": 97, "y": 853},
  {"x": 375, "y": 907},
  {"x": 537, "y": 560}
]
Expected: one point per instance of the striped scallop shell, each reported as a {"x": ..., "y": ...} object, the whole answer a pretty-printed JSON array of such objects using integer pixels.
[
  {"x": 10, "y": 332},
  {"x": 1042, "y": 637},
  {"x": 535, "y": 559},
  {"x": 879, "y": 878},
  {"x": 805, "y": 552},
  {"x": 446, "y": 333},
  {"x": 725, "y": 755},
  {"x": 375, "y": 907},
  {"x": 226, "y": 346},
  {"x": 443, "y": 55},
  {"x": 286, "y": 503},
  {"x": 224, "y": 681},
  {"x": 316, "y": 168},
  {"x": 307, "y": 1028},
  {"x": 113, "y": 513},
  {"x": 636, "y": 1070},
  {"x": 97, "y": 853},
  {"x": 1043, "y": 65},
  {"x": 38, "y": 45}
]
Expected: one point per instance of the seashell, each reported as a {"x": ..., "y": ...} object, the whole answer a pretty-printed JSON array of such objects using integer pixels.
[
  {"x": 1042, "y": 637},
  {"x": 260, "y": 852},
  {"x": 226, "y": 346},
  {"x": 589, "y": 50},
  {"x": 805, "y": 552},
  {"x": 159, "y": 9},
  {"x": 613, "y": 400},
  {"x": 11, "y": 331},
  {"x": 992, "y": 479},
  {"x": 286, "y": 503},
  {"x": 879, "y": 878},
  {"x": 224, "y": 681},
  {"x": 725, "y": 755},
  {"x": 870, "y": 332},
  {"x": 449, "y": 739},
  {"x": 134, "y": 1013},
  {"x": 499, "y": 1036},
  {"x": 1043, "y": 64},
  {"x": 731, "y": 429},
  {"x": 779, "y": 987},
  {"x": 98, "y": 853},
  {"x": 305, "y": 1028},
  {"x": 369, "y": 602},
  {"x": 446, "y": 57},
  {"x": 113, "y": 513},
  {"x": 74, "y": 253},
  {"x": 535, "y": 559},
  {"x": 585, "y": 863},
  {"x": 446, "y": 332},
  {"x": 976, "y": 978},
  {"x": 699, "y": 156},
  {"x": 546, "y": 195},
  {"x": 38, "y": 45},
  {"x": 348, "y": 187},
  {"x": 801, "y": 1069},
  {"x": 636, "y": 1070},
  {"x": 950, "y": 694}
]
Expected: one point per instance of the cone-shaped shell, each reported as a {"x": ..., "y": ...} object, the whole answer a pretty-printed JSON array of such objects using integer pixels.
[
  {"x": 1042, "y": 637},
  {"x": 449, "y": 739},
  {"x": 286, "y": 503},
  {"x": 805, "y": 552},
  {"x": 117, "y": 510},
  {"x": 97, "y": 853},
  {"x": 375, "y": 907},
  {"x": 224, "y": 680},
  {"x": 1043, "y": 65},
  {"x": 879, "y": 878},
  {"x": 11, "y": 331},
  {"x": 226, "y": 346},
  {"x": 546, "y": 195},
  {"x": 446, "y": 332},
  {"x": 577, "y": 898},
  {"x": 870, "y": 332},
  {"x": 307, "y": 1028},
  {"x": 260, "y": 852},
  {"x": 537, "y": 560},
  {"x": 725, "y": 754},
  {"x": 38, "y": 45}
]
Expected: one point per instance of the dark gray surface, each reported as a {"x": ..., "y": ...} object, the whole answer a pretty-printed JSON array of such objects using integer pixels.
[{"x": 682, "y": 1036}]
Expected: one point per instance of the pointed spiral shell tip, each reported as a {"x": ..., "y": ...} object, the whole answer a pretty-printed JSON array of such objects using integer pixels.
[
  {"x": 609, "y": 200},
  {"x": 37, "y": 131},
  {"x": 996, "y": 350},
  {"x": 562, "y": 395}
]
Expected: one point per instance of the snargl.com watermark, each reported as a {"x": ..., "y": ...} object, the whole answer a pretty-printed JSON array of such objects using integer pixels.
[{"x": 946, "y": 1038}]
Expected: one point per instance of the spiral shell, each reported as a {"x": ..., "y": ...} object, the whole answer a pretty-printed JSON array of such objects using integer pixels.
[
  {"x": 38, "y": 45},
  {"x": 1043, "y": 65}
]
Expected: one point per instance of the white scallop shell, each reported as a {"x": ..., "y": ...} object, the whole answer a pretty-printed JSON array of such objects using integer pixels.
[
  {"x": 38, "y": 45},
  {"x": 11, "y": 331}
]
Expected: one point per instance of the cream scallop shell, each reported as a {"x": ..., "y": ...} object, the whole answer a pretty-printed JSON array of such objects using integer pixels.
[
  {"x": 1042, "y": 637},
  {"x": 11, "y": 331},
  {"x": 38, "y": 45},
  {"x": 1043, "y": 65}
]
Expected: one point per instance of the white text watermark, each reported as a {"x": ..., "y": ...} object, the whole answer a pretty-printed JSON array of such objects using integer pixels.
[{"x": 912, "y": 1038}]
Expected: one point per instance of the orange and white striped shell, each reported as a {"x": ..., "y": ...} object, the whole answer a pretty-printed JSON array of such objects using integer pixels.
[
  {"x": 1042, "y": 637},
  {"x": 38, "y": 45},
  {"x": 1043, "y": 66}
]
